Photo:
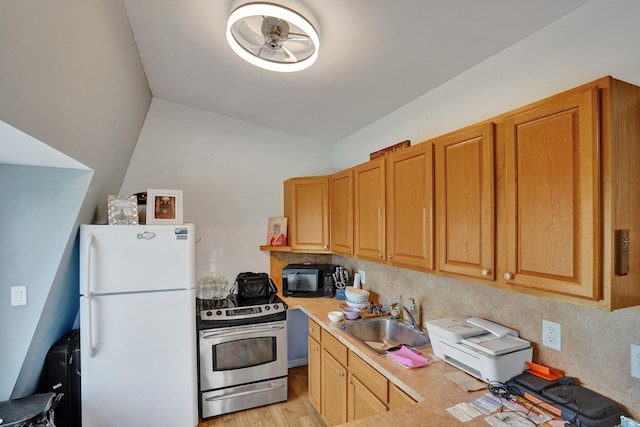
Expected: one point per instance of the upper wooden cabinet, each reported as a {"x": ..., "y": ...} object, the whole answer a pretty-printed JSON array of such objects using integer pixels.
[
  {"x": 306, "y": 205},
  {"x": 570, "y": 184},
  {"x": 410, "y": 207},
  {"x": 553, "y": 196},
  {"x": 531, "y": 200},
  {"x": 342, "y": 213},
  {"x": 465, "y": 188},
  {"x": 369, "y": 210}
]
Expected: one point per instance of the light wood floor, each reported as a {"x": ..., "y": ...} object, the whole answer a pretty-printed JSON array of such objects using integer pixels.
[{"x": 296, "y": 411}]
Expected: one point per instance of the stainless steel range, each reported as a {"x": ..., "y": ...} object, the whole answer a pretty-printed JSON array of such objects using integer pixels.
[{"x": 242, "y": 354}]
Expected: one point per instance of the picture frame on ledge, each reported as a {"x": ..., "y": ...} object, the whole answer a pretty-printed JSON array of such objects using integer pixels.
[
  {"x": 122, "y": 210},
  {"x": 164, "y": 207},
  {"x": 277, "y": 233}
]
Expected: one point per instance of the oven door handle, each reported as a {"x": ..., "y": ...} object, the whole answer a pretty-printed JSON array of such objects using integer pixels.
[
  {"x": 244, "y": 393},
  {"x": 241, "y": 332}
]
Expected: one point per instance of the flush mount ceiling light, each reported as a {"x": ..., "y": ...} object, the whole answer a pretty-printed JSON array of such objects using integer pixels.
[{"x": 272, "y": 37}]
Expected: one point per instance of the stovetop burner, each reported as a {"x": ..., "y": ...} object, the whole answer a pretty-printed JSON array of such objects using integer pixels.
[{"x": 234, "y": 311}]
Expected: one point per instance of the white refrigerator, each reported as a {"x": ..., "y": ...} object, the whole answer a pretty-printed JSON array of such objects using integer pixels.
[{"x": 137, "y": 325}]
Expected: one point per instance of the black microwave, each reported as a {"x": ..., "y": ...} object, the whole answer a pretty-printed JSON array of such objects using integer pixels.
[{"x": 308, "y": 280}]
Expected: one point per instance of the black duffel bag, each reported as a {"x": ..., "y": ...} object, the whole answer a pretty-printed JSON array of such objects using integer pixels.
[
  {"x": 254, "y": 285},
  {"x": 575, "y": 403}
]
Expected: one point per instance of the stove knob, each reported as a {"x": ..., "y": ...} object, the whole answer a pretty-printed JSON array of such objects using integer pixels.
[
  {"x": 275, "y": 307},
  {"x": 219, "y": 313},
  {"x": 267, "y": 308},
  {"x": 209, "y": 314}
]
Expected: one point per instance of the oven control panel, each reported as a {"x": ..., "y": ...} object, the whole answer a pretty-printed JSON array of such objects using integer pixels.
[{"x": 242, "y": 312}]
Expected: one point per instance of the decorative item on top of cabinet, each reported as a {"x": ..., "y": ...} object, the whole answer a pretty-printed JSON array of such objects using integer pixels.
[
  {"x": 342, "y": 212},
  {"x": 465, "y": 187},
  {"x": 306, "y": 204},
  {"x": 369, "y": 210},
  {"x": 390, "y": 149},
  {"x": 410, "y": 207}
]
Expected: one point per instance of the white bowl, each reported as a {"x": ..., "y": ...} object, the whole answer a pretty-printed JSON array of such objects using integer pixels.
[
  {"x": 359, "y": 305},
  {"x": 335, "y": 316},
  {"x": 356, "y": 291},
  {"x": 356, "y": 298}
]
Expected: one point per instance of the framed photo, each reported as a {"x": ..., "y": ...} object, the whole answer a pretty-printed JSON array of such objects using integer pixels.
[
  {"x": 164, "y": 207},
  {"x": 122, "y": 210},
  {"x": 277, "y": 235}
]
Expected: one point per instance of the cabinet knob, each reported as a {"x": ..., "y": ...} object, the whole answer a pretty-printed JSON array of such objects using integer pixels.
[
  {"x": 380, "y": 255},
  {"x": 341, "y": 374},
  {"x": 485, "y": 272},
  {"x": 326, "y": 247},
  {"x": 508, "y": 276},
  {"x": 390, "y": 257}
]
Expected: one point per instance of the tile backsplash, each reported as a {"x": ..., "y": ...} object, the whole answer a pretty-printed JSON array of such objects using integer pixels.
[{"x": 595, "y": 346}]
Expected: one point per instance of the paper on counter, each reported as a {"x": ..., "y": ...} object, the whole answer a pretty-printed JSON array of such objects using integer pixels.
[
  {"x": 507, "y": 419},
  {"x": 464, "y": 412},
  {"x": 465, "y": 382}
]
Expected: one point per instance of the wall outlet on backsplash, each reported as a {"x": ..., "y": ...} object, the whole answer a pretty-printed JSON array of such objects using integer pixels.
[
  {"x": 635, "y": 360},
  {"x": 362, "y": 280},
  {"x": 551, "y": 334}
]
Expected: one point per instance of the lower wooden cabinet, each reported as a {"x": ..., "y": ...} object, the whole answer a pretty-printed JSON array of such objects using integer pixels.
[
  {"x": 313, "y": 373},
  {"x": 398, "y": 398},
  {"x": 368, "y": 390},
  {"x": 342, "y": 386},
  {"x": 361, "y": 401},
  {"x": 333, "y": 385}
]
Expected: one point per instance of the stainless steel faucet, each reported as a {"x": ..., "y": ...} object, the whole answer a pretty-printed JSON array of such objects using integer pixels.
[{"x": 412, "y": 320}]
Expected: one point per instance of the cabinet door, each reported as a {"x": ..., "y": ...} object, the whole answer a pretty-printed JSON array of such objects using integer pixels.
[
  {"x": 465, "y": 198},
  {"x": 362, "y": 402},
  {"x": 410, "y": 207},
  {"x": 369, "y": 208},
  {"x": 398, "y": 398},
  {"x": 334, "y": 390},
  {"x": 342, "y": 213},
  {"x": 552, "y": 196},
  {"x": 313, "y": 373},
  {"x": 306, "y": 205}
]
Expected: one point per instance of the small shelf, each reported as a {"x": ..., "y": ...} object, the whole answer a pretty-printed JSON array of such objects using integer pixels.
[{"x": 275, "y": 248}]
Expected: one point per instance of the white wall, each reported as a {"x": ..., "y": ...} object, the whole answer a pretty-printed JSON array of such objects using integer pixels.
[
  {"x": 72, "y": 78},
  {"x": 231, "y": 173},
  {"x": 601, "y": 38}
]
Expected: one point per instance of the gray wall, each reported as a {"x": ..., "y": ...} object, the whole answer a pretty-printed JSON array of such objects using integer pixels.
[{"x": 70, "y": 76}]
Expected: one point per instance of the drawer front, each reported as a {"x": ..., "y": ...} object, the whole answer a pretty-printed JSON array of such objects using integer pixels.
[
  {"x": 334, "y": 347},
  {"x": 372, "y": 379},
  {"x": 314, "y": 330}
]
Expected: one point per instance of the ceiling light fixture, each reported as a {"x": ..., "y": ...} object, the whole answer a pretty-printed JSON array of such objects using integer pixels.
[{"x": 272, "y": 37}]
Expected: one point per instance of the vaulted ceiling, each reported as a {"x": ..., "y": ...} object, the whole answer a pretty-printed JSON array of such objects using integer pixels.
[{"x": 375, "y": 56}]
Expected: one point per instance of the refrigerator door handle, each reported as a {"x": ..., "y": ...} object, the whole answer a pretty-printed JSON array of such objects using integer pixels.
[
  {"x": 89, "y": 297},
  {"x": 89, "y": 252},
  {"x": 89, "y": 345}
]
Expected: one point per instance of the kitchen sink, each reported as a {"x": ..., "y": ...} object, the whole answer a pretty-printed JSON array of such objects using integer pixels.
[{"x": 382, "y": 334}]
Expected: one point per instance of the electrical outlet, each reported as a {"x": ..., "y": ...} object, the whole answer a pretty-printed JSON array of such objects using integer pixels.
[
  {"x": 362, "y": 280},
  {"x": 635, "y": 360},
  {"x": 551, "y": 334}
]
